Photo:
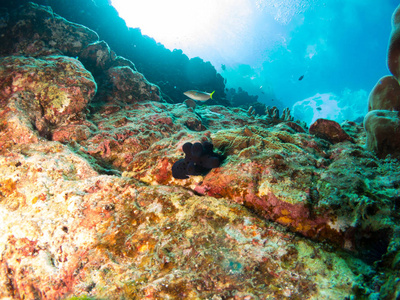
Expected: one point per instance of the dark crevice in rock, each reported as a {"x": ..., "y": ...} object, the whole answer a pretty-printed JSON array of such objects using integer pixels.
[{"x": 371, "y": 245}]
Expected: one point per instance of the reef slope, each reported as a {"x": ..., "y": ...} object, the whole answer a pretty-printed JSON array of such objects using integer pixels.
[{"x": 89, "y": 206}]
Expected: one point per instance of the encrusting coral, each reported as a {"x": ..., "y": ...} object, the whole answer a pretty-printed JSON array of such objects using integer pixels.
[
  {"x": 32, "y": 92},
  {"x": 89, "y": 206}
]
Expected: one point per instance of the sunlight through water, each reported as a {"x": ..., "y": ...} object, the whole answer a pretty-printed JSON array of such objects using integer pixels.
[
  {"x": 265, "y": 46},
  {"x": 187, "y": 24}
]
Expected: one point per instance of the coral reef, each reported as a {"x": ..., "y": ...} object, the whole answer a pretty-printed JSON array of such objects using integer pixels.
[
  {"x": 172, "y": 71},
  {"x": 383, "y": 119},
  {"x": 385, "y": 95},
  {"x": 41, "y": 32},
  {"x": 90, "y": 208},
  {"x": 46, "y": 92},
  {"x": 393, "y": 59},
  {"x": 383, "y": 128},
  {"x": 241, "y": 98}
]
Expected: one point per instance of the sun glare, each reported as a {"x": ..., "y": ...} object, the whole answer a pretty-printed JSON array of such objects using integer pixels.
[
  {"x": 170, "y": 22},
  {"x": 195, "y": 26}
]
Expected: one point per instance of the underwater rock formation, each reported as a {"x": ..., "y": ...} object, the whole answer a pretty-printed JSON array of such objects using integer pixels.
[
  {"x": 119, "y": 80},
  {"x": 385, "y": 95},
  {"x": 44, "y": 33},
  {"x": 45, "y": 93},
  {"x": 89, "y": 207},
  {"x": 172, "y": 71},
  {"x": 34, "y": 30},
  {"x": 382, "y": 121},
  {"x": 393, "y": 59},
  {"x": 383, "y": 131},
  {"x": 329, "y": 130}
]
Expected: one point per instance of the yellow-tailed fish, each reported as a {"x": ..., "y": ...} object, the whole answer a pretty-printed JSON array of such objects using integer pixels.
[{"x": 199, "y": 96}]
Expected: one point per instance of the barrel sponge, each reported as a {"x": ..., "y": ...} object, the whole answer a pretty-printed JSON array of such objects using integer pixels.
[
  {"x": 394, "y": 45},
  {"x": 385, "y": 95},
  {"x": 383, "y": 132}
]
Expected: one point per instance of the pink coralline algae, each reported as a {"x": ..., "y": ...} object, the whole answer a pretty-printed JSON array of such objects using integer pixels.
[
  {"x": 32, "y": 92},
  {"x": 89, "y": 207}
]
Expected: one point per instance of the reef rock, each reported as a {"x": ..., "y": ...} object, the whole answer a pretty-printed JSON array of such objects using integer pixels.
[
  {"x": 46, "y": 92},
  {"x": 70, "y": 231},
  {"x": 77, "y": 230},
  {"x": 89, "y": 207},
  {"x": 119, "y": 76},
  {"x": 98, "y": 57},
  {"x": 383, "y": 132},
  {"x": 393, "y": 59},
  {"x": 385, "y": 95},
  {"x": 34, "y": 30},
  {"x": 130, "y": 86},
  {"x": 383, "y": 120},
  {"x": 329, "y": 130}
]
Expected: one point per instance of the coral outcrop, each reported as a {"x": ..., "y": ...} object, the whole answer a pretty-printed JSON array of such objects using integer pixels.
[
  {"x": 89, "y": 207},
  {"x": 385, "y": 95},
  {"x": 46, "y": 92},
  {"x": 34, "y": 30},
  {"x": 383, "y": 119},
  {"x": 383, "y": 128},
  {"x": 393, "y": 58},
  {"x": 173, "y": 71},
  {"x": 329, "y": 130},
  {"x": 43, "y": 33}
]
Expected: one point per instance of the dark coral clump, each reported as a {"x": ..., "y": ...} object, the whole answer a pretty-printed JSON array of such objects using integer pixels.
[{"x": 200, "y": 159}]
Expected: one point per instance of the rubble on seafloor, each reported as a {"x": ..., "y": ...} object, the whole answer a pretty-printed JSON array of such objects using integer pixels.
[{"x": 89, "y": 208}]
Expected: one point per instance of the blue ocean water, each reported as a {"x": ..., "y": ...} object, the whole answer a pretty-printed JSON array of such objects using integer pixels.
[{"x": 319, "y": 58}]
